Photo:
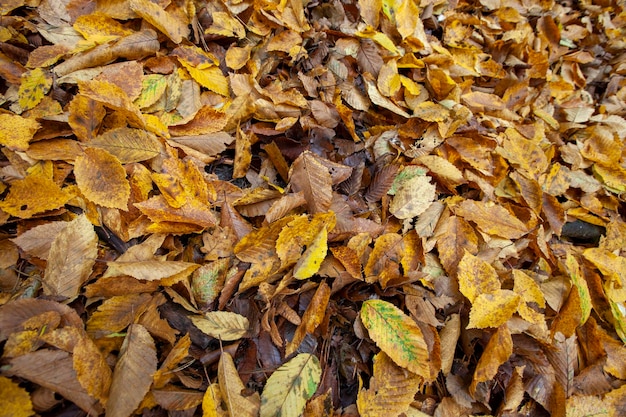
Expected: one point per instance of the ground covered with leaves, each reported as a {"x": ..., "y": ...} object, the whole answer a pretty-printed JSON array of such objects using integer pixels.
[{"x": 358, "y": 207}]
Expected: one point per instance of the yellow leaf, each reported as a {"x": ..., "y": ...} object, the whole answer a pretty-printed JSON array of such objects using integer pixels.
[
  {"x": 476, "y": 277},
  {"x": 175, "y": 27},
  {"x": 232, "y": 390},
  {"x": 492, "y": 218},
  {"x": 112, "y": 97},
  {"x": 93, "y": 24},
  {"x": 300, "y": 232},
  {"x": 530, "y": 292},
  {"x": 580, "y": 284},
  {"x": 102, "y": 178},
  {"x": 16, "y": 131},
  {"x": 128, "y": 145},
  {"x": 211, "y": 78},
  {"x": 378, "y": 37},
  {"x": 35, "y": 85},
  {"x": 391, "y": 389},
  {"x": 34, "y": 194},
  {"x": 92, "y": 370},
  {"x": 15, "y": 400},
  {"x": 212, "y": 402},
  {"x": 311, "y": 260},
  {"x": 226, "y": 25},
  {"x": 222, "y": 325},
  {"x": 493, "y": 310}
]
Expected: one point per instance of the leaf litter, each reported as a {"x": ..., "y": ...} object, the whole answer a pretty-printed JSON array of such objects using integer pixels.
[{"x": 312, "y": 208}]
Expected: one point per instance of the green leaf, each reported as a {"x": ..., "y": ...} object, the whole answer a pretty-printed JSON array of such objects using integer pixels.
[
  {"x": 397, "y": 335},
  {"x": 290, "y": 386}
]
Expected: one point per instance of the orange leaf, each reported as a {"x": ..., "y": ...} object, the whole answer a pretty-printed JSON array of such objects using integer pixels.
[
  {"x": 102, "y": 178},
  {"x": 497, "y": 352},
  {"x": 312, "y": 317},
  {"x": 92, "y": 370}
]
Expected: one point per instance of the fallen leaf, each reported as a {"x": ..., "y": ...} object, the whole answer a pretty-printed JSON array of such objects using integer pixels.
[
  {"x": 301, "y": 377},
  {"x": 102, "y": 178},
  {"x": 15, "y": 400},
  {"x": 135, "y": 367},
  {"x": 232, "y": 390},
  {"x": 397, "y": 335},
  {"x": 71, "y": 258},
  {"x": 222, "y": 325}
]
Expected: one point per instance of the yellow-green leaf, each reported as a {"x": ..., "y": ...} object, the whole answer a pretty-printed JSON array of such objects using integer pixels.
[
  {"x": 397, "y": 335},
  {"x": 571, "y": 264},
  {"x": 290, "y": 386}
]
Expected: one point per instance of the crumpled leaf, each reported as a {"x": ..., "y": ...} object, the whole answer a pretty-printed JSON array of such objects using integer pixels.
[
  {"x": 391, "y": 391},
  {"x": 412, "y": 196},
  {"x": 290, "y": 386}
]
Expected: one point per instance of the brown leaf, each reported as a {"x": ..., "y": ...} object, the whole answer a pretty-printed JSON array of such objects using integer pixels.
[
  {"x": 53, "y": 369},
  {"x": 71, "y": 258},
  {"x": 312, "y": 317},
  {"x": 497, "y": 352},
  {"x": 314, "y": 180},
  {"x": 492, "y": 219},
  {"x": 135, "y": 367},
  {"x": 92, "y": 371}
]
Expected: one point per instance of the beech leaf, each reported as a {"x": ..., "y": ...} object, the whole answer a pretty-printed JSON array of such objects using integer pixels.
[
  {"x": 397, "y": 335},
  {"x": 222, "y": 325},
  {"x": 290, "y": 386},
  {"x": 136, "y": 364}
]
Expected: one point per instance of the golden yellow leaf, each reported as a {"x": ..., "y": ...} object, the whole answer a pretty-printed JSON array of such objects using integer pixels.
[
  {"x": 243, "y": 154},
  {"x": 32, "y": 195},
  {"x": 493, "y": 310},
  {"x": 128, "y": 145},
  {"x": 298, "y": 233},
  {"x": 311, "y": 260},
  {"x": 391, "y": 389},
  {"x": 92, "y": 370},
  {"x": 226, "y": 25},
  {"x": 16, "y": 131},
  {"x": 102, "y": 178},
  {"x": 476, "y": 277},
  {"x": 492, "y": 218},
  {"x": 179, "y": 352},
  {"x": 15, "y": 400},
  {"x": 212, "y": 403},
  {"x": 211, "y": 78},
  {"x": 175, "y": 27},
  {"x": 113, "y": 97},
  {"x": 529, "y": 290},
  {"x": 35, "y": 85}
]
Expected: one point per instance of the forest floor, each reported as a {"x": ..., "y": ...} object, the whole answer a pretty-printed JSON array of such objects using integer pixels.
[{"x": 319, "y": 208}]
